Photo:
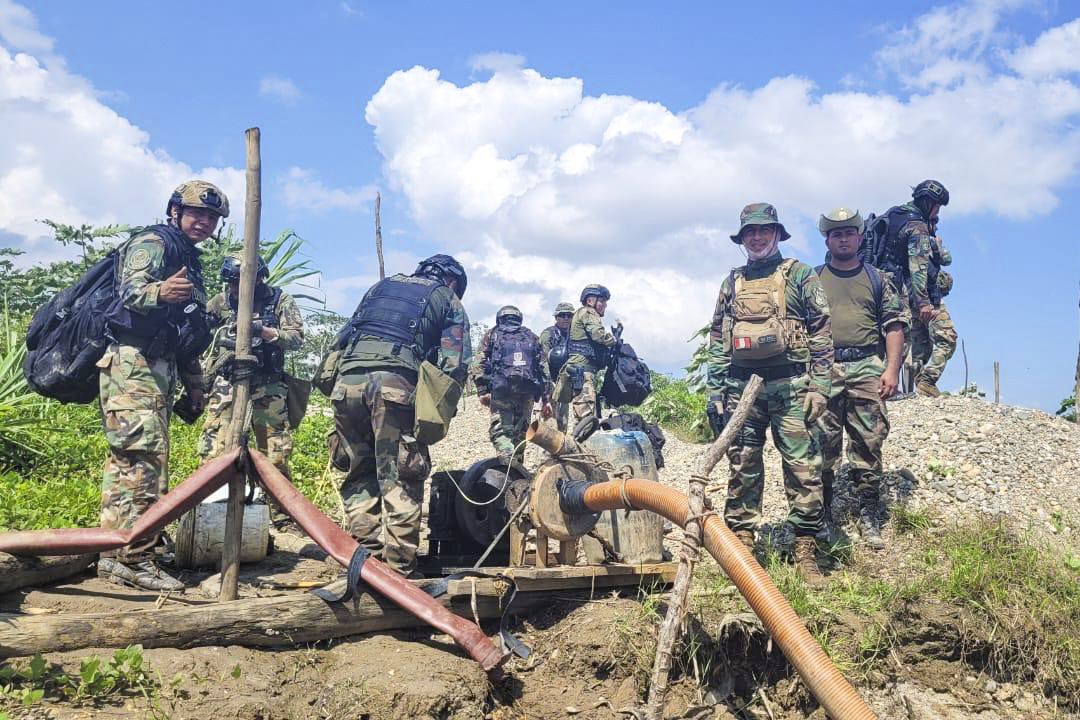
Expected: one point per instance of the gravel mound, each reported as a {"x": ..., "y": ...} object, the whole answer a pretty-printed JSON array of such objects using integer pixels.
[{"x": 955, "y": 456}]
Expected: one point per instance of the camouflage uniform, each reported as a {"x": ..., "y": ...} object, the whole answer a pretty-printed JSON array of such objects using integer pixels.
[
  {"x": 932, "y": 344},
  {"x": 511, "y": 411},
  {"x": 373, "y": 403},
  {"x": 854, "y": 403},
  {"x": 548, "y": 339},
  {"x": 586, "y": 326},
  {"x": 269, "y": 415},
  {"x": 136, "y": 399},
  {"x": 780, "y": 402}
]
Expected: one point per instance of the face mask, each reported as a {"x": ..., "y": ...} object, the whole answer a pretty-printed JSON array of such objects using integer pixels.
[{"x": 769, "y": 250}]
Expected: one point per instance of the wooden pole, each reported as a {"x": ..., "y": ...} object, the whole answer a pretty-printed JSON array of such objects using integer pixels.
[
  {"x": 234, "y": 515},
  {"x": 670, "y": 628},
  {"x": 378, "y": 236},
  {"x": 997, "y": 383},
  {"x": 963, "y": 351},
  {"x": 1076, "y": 389}
]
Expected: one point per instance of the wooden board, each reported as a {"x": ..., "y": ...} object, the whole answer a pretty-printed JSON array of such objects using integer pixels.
[{"x": 567, "y": 577}]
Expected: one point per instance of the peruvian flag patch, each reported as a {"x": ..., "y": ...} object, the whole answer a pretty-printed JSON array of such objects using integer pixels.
[{"x": 743, "y": 343}]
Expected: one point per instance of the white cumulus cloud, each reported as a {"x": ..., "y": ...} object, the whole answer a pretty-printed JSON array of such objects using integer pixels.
[
  {"x": 301, "y": 189},
  {"x": 541, "y": 189}
]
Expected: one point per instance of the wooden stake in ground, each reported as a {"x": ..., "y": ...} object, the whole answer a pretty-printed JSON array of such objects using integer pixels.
[
  {"x": 234, "y": 516},
  {"x": 378, "y": 236},
  {"x": 676, "y": 615},
  {"x": 997, "y": 383},
  {"x": 1076, "y": 389}
]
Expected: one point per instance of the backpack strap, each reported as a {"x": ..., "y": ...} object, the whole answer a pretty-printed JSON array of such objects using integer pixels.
[
  {"x": 779, "y": 283},
  {"x": 876, "y": 285}
]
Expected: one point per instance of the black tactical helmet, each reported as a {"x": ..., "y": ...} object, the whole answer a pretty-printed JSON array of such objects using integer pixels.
[
  {"x": 230, "y": 269},
  {"x": 595, "y": 291},
  {"x": 932, "y": 190},
  {"x": 508, "y": 312},
  {"x": 444, "y": 268}
]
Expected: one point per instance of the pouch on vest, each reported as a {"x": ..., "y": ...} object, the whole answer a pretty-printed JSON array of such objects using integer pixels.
[
  {"x": 437, "y": 396},
  {"x": 326, "y": 373},
  {"x": 297, "y": 393},
  {"x": 760, "y": 311}
]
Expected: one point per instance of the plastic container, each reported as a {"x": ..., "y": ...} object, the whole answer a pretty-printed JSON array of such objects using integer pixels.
[
  {"x": 637, "y": 535},
  {"x": 201, "y": 535}
]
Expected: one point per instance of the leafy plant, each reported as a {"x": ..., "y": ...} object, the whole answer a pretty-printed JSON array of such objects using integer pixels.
[
  {"x": 675, "y": 406},
  {"x": 20, "y": 407},
  {"x": 1067, "y": 409}
]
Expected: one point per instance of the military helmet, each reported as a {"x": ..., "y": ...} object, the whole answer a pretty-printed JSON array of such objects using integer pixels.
[
  {"x": 199, "y": 193},
  {"x": 230, "y": 269},
  {"x": 595, "y": 290},
  {"x": 444, "y": 268},
  {"x": 759, "y": 214},
  {"x": 840, "y": 217},
  {"x": 931, "y": 189},
  {"x": 506, "y": 312},
  {"x": 563, "y": 307}
]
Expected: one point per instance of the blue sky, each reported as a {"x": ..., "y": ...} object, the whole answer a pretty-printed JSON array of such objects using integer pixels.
[{"x": 577, "y": 142}]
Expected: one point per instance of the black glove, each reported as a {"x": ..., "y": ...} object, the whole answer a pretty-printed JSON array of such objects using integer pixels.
[
  {"x": 716, "y": 416},
  {"x": 185, "y": 409},
  {"x": 256, "y": 328}
]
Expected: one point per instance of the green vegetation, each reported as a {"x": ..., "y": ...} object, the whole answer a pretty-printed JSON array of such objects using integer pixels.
[
  {"x": 1008, "y": 603},
  {"x": 680, "y": 410},
  {"x": 98, "y": 681}
]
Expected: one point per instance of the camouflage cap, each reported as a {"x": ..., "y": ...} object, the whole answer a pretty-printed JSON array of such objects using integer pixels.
[
  {"x": 564, "y": 307},
  {"x": 507, "y": 311},
  {"x": 199, "y": 193},
  {"x": 759, "y": 214},
  {"x": 840, "y": 217}
]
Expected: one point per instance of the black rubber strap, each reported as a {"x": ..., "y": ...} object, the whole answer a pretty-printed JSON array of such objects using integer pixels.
[
  {"x": 509, "y": 641},
  {"x": 352, "y": 575}
]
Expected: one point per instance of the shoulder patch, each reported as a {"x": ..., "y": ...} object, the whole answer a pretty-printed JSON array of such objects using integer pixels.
[
  {"x": 817, "y": 296},
  {"x": 137, "y": 259}
]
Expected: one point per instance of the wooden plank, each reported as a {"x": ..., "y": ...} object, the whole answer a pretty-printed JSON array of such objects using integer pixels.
[
  {"x": 17, "y": 572},
  {"x": 567, "y": 554},
  {"x": 569, "y": 571},
  {"x": 517, "y": 546},
  {"x": 543, "y": 559},
  {"x": 548, "y": 579}
]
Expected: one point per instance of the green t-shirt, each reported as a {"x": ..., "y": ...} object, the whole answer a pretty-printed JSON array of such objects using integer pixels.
[{"x": 852, "y": 307}]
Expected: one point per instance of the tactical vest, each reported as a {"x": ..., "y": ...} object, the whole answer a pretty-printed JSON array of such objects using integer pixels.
[
  {"x": 270, "y": 355},
  {"x": 881, "y": 245},
  {"x": 597, "y": 354},
  {"x": 178, "y": 329},
  {"x": 762, "y": 329},
  {"x": 393, "y": 311},
  {"x": 511, "y": 362}
]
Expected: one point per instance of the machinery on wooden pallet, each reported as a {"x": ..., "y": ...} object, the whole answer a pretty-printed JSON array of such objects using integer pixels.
[{"x": 468, "y": 513}]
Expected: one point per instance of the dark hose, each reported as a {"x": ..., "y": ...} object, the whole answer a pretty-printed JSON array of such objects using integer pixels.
[{"x": 831, "y": 688}]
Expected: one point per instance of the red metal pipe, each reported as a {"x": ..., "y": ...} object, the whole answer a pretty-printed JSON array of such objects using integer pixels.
[
  {"x": 341, "y": 547},
  {"x": 75, "y": 541}
]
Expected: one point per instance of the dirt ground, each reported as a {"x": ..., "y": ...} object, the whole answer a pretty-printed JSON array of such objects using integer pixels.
[{"x": 586, "y": 663}]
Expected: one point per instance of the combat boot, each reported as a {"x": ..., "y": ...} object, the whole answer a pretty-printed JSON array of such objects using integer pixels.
[
  {"x": 144, "y": 574},
  {"x": 869, "y": 525},
  {"x": 746, "y": 537},
  {"x": 926, "y": 387},
  {"x": 806, "y": 561}
]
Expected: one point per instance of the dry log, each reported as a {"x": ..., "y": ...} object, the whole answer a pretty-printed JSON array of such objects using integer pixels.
[{"x": 17, "y": 572}]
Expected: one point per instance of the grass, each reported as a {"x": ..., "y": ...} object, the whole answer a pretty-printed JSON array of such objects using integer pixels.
[{"x": 680, "y": 410}]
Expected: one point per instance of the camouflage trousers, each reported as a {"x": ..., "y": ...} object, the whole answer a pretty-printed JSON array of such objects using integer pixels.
[
  {"x": 269, "y": 421},
  {"x": 510, "y": 416},
  {"x": 855, "y": 405},
  {"x": 933, "y": 343},
  {"x": 779, "y": 406},
  {"x": 582, "y": 403},
  {"x": 136, "y": 401},
  {"x": 383, "y": 488}
]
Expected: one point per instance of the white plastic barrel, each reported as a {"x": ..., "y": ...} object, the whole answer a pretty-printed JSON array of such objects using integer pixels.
[{"x": 201, "y": 534}]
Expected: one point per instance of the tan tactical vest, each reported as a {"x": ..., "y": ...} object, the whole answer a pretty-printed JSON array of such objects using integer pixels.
[{"x": 762, "y": 327}]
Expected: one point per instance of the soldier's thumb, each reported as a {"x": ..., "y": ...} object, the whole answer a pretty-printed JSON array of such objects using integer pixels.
[{"x": 181, "y": 273}]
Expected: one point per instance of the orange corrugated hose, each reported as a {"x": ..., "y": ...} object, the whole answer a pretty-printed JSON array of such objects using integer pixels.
[{"x": 830, "y": 688}]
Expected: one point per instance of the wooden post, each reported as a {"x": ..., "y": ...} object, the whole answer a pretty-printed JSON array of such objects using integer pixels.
[
  {"x": 670, "y": 628},
  {"x": 997, "y": 383},
  {"x": 1076, "y": 389},
  {"x": 234, "y": 516},
  {"x": 378, "y": 236}
]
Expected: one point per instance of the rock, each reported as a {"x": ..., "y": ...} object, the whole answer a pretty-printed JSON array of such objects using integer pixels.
[{"x": 990, "y": 687}]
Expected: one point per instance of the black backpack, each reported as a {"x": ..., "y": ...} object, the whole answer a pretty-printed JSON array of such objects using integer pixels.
[
  {"x": 512, "y": 361},
  {"x": 881, "y": 246},
  {"x": 67, "y": 336},
  {"x": 628, "y": 380},
  {"x": 631, "y": 422}
]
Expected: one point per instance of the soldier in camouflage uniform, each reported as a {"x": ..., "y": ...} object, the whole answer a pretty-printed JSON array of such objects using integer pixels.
[
  {"x": 553, "y": 340},
  {"x": 277, "y": 328},
  {"x": 934, "y": 343},
  {"x": 402, "y": 321},
  {"x": 772, "y": 320},
  {"x": 867, "y": 320},
  {"x": 511, "y": 375},
  {"x": 589, "y": 345},
  {"x": 157, "y": 333}
]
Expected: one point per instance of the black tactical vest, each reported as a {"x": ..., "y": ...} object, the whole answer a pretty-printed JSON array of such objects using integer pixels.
[
  {"x": 271, "y": 357},
  {"x": 512, "y": 363},
  {"x": 393, "y": 310},
  {"x": 178, "y": 329}
]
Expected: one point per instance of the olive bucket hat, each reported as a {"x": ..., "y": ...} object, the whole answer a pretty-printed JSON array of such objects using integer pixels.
[{"x": 759, "y": 214}]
